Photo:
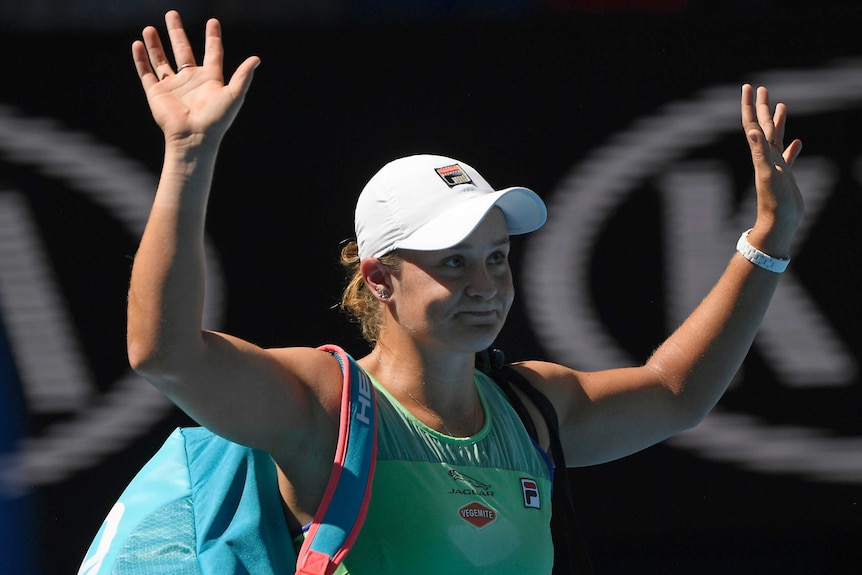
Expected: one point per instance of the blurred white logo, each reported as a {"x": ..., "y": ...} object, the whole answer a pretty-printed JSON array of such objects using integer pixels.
[
  {"x": 699, "y": 226},
  {"x": 54, "y": 371}
]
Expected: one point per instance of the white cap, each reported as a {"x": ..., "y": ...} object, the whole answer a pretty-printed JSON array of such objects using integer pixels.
[{"x": 433, "y": 202}]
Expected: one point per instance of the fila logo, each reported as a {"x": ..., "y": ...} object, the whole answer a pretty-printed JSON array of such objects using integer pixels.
[
  {"x": 530, "y": 490},
  {"x": 477, "y": 514},
  {"x": 453, "y": 175}
]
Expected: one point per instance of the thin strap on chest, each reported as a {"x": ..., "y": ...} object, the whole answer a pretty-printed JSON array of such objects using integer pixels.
[{"x": 570, "y": 552}]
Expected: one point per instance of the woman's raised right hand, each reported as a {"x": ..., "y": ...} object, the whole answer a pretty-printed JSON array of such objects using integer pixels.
[{"x": 190, "y": 102}]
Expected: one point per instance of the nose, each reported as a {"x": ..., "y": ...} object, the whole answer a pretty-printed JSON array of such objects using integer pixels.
[{"x": 482, "y": 283}]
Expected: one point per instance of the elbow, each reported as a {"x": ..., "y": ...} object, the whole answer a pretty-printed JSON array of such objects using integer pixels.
[
  {"x": 156, "y": 362},
  {"x": 144, "y": 338},
  {"x": 145, "y": 358},
  {"x": 143, "y": 344},
  {"x": 690, "y": 416},
  {"x": 688, "y": 402},
  {"x": 690, "y": 407},
  {"x": 157, "y": 348},
  {"x": 140, "y": 355}
]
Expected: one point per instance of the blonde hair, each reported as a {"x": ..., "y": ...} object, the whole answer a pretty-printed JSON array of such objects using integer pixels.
[{"x": 356, "y": 300}]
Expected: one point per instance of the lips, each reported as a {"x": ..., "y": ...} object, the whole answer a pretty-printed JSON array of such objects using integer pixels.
[{"x": 480, "y": 316}]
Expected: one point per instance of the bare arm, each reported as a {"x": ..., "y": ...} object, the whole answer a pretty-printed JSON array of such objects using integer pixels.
[
  {"x": 610, "y": 414},
  {"x": 243, "y": 392}
]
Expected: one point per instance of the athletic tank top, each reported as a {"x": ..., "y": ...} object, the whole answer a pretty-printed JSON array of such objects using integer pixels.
[{"x": 440, "y": 504}]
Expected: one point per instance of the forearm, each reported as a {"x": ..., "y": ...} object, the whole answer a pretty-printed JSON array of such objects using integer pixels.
[
  {"x": 166, "y": 292},
  {"x": 700, "y": 359}
]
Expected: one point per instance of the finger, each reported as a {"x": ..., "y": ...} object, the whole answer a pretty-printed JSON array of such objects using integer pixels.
[
  {"x": 764, "y": 114},
  {"x": 214, "y": 52},
  {"x": 183, "y": 54},
  {"x": 792, "y": 152},
  {"x": 749, "y": 115},
  {"x": 142, "y": 65},
  {"x": 759, "y": 149},
  {"x": 156, "y": 53},
  {"x": 780, "y": 121}
]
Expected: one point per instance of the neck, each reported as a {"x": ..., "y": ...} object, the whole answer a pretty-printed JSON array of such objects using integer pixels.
[{"x": 437, "y": 388}]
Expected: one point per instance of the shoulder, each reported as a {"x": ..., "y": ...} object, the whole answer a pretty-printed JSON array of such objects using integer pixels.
[
  {"x": 317, "y": 370},
  {"x": 558, "y": 383},
  {"x": 562, "y": 386},
  {"x": 542, "y": 386}
]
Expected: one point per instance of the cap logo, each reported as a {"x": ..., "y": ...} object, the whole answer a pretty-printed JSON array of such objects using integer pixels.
[{"x": 453, "y": 175}]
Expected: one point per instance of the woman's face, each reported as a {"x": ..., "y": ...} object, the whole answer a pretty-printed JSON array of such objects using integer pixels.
[{"x": 458, "y": 297}]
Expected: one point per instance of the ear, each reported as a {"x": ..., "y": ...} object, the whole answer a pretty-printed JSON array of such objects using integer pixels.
[{"x": 378, "y": 278}]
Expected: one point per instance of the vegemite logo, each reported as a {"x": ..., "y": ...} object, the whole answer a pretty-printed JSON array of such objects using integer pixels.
[
  {"x": 530, "y": 490},
  {"x": 477, "y": 514},
  {"x": 454, "y": 175}
]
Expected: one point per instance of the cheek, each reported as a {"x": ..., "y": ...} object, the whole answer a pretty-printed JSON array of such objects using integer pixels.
[
  {"x": 507, "y": 292},
  {"x": 425, "y": 301},
  {"x": 505, "y": 284}
]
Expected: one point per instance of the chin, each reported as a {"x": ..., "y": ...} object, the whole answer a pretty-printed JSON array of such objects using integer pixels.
[{"x": 475, "y": 339}]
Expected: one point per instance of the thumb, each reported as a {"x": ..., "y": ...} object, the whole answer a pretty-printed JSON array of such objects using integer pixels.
[{"x": 240, "y": 82}]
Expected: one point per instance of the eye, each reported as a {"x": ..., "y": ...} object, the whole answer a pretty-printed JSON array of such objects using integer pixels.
[
  {"x": 453, "y": 262},
  {"x": 498, "y": 258}
]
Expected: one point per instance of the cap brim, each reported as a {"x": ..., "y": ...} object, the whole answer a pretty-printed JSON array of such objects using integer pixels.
[{"x": 524, "y": 210}]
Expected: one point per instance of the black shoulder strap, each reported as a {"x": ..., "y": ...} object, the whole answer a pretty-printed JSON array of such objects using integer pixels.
[{"x": 570, "y": 552}]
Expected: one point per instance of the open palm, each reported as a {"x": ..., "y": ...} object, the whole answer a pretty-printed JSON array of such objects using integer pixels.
[
  {"x": 193, "y": 102},
  {"x": 777, "y": 191}
]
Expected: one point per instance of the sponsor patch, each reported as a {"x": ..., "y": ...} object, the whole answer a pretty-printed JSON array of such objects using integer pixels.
[
  {"x": 473, "y": 487},
  {"x": 477, "y": 514},
  {"x": 453, "y": 175},
  {"x": 458, "y": 476},
  {"x": 530, "y": 490}
]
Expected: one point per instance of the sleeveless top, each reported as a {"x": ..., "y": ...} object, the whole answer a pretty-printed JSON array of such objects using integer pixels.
[{"x": 441, "y": 504}]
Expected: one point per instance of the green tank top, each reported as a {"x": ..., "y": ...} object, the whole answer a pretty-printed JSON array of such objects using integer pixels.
[{"x": 442, "y": 504}]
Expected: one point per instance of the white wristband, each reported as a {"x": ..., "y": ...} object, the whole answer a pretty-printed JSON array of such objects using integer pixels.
[{"x": 759, "y": 258}]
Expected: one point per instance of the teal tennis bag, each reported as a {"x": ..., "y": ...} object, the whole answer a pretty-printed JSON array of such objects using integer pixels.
[{"x": 204, "y": 505}]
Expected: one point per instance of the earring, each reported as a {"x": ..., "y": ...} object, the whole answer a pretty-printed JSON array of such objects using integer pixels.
[{"x": 382, "y": 294}]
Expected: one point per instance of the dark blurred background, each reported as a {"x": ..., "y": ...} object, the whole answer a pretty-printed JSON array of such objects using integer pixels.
[{"x": 622, "y": 115}]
